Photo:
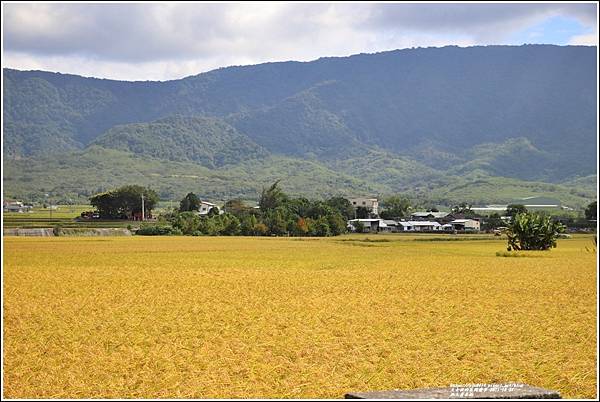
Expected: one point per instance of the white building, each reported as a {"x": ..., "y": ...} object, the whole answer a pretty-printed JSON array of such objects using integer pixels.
[
  {"x": 205, "y": 207},
  {"x": 419, "y": 226},
  {"x": 370, "y": 203}
]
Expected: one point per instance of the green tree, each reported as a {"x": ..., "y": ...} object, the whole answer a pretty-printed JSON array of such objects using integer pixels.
[
  {"x": 533, "y": 231},
  {"x": 318, "y": 209},
  {"x": 187, "y": 222},
  {"x": 591, "y": 212},
  {"x": 493, "y": 221},
  {"x": 302, "y": 227},
  {"x": 131, "y": 199},
  {"x": 260, "y": 229},
  {"x": 272, "y": 198},
  {"x": 190, "y": 202},
  {"x": 343, "y": 206},
  {"x": 124, "y": 201},
  {"x": 359, "y": 227},
  {"x": 236, "y": 207},
  {"x": 320, "y": 228},
  {"x": 395, "y": 207},
  {"x": 337, "y": 223},
  {"x": 108, "y": 205},
  {"x": 362, "y": 213},
  {"x": 209, "y": 226},
  {"x": 231, "y": 225},
  {"x": 276, "y": 221},
  {"x": 299, "y": 206},
  {"x": 247, "y": 225}
]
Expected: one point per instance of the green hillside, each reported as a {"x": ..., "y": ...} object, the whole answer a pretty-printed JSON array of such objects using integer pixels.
[
  {"x": 79, "y": 174},
  {"x": 209, "y": 142},
  {"x": 483, "y": 123}
]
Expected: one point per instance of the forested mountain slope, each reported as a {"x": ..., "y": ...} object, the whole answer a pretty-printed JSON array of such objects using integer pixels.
[{"x": 440, "y": 114}]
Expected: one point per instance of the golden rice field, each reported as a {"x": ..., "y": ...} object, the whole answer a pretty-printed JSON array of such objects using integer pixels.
[{"x": 210, "y": 317}]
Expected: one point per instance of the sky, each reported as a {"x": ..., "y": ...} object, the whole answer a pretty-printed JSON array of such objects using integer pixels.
[{"x": 163, "y": 41}]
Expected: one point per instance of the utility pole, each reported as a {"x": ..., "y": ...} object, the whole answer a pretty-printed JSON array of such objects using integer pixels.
[{"x": 142, "y": 207}]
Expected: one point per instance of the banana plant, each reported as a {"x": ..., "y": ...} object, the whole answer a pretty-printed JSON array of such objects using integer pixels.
[{"x": 533, "y": 231}]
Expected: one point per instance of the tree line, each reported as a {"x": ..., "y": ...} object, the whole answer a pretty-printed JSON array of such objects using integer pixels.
[{"x": 278, "y": 215}]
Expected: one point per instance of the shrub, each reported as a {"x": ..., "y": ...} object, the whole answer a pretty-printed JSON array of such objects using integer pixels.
[
  {"x": 301, "y": 227},
  {"x": 260, "y": 229},
  {"x": 187, "y": 222},
  {"x": 336, "y": 223},
  {"x": 532, "y": 231},
  {"x": 247, "y": 225},
  {"x": 232, "y": 225},
  {"x": 359, "y": 227},
  {"x": 320, "y": 228},
  {"x": 155, "y": 230}
]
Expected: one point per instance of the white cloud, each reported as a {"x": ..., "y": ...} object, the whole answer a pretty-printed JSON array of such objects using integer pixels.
[{"x": 165, "y": 40}]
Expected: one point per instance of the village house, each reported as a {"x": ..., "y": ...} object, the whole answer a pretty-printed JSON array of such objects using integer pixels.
[
  {"x": 205, "y": 207},
  {"x": 375, "y": 225},
  {"x": 465, "y": 225},
  {"x": 371, "y": 204},
  {"x": 392, "y": 225},
  {"x": 369, "y": 225}
]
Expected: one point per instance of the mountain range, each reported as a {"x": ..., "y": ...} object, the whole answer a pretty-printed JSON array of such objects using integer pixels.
[{"x": 479, "y": 124}]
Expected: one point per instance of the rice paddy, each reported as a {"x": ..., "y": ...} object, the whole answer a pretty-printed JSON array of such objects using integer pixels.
[{"x": 215, "y": 317}]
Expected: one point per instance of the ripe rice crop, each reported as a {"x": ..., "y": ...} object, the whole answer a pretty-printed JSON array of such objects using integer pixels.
[{"x": 216, "y": 317}]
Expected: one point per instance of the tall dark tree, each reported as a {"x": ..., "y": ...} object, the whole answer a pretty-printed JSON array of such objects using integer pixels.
[
  {"x": 272, "y": 197},
  {"x": 276, "y": 221},
  {"x": 591, "y": 212},
  {"x": 343, "y": 206},
  {"x": 236, "y": 207},
  {"x": 493, "y": 221},
  {"x": 319, "y": 209},
  {"x": 395, "y": 207},
  {"x": 124, "y": 201},
  {"x": 362, "y": 213},
  {"x": 190, "y": 202},
  {"x": 337, "y": 223},
  {"x": 300, "y": 206},
  {"x": 107, "y": 205}
]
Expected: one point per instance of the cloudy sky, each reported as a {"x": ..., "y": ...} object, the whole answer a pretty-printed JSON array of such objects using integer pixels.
[{"x": 161, "y": 41}]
